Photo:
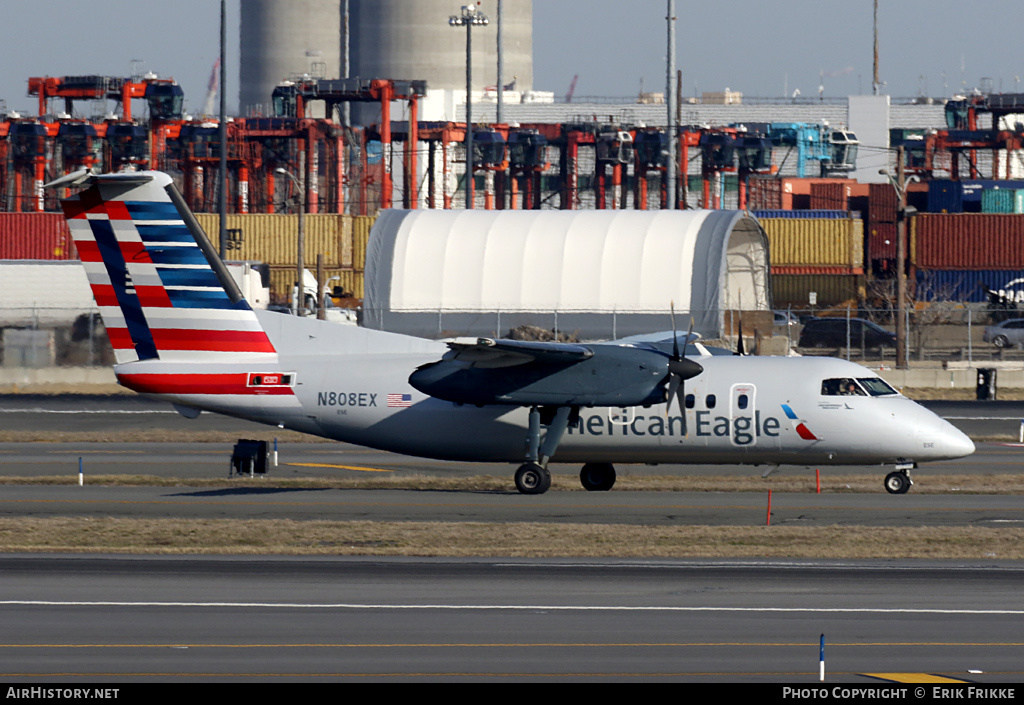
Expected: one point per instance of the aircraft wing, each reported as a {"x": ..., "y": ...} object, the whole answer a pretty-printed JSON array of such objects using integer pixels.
[
  {"x": 492, "y": 371},
  {"x": 488, "y": 352}
]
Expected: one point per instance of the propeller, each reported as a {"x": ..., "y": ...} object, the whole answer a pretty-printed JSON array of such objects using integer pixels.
[{"x": 680, "y": 368}]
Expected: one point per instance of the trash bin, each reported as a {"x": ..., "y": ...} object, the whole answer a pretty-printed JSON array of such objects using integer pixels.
[
  {"x": 249, "y": 457},
  {"x": 986, "y": 390}
]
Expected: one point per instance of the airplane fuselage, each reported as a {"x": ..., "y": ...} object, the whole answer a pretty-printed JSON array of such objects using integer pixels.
[{"x": 740, "y": 410}]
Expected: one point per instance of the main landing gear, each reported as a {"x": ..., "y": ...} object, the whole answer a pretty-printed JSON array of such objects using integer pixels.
[
  {"x": 899, "y": 482},
  {"x": 533, "y": 476},
  {"x": 597, "y": 477}
]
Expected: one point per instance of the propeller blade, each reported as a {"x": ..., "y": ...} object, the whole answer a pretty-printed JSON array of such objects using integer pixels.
[
  {"x": 680, "y": 368},
  {"x": 675, "y": 337},
  {"x": 674, "y": 382}
]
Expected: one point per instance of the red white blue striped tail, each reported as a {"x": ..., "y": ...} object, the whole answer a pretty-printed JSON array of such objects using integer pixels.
[{"x": 162, "y": 290}]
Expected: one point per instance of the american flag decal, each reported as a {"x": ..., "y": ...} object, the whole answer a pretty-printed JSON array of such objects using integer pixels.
[{"x": 400, "y": 401}]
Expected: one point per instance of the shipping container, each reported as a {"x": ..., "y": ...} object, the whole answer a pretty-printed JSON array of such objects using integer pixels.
[
  {"x": 968, "y": 241},
  {"x": 973, "y": 190},
  {"x": 968, "y": 285},
  {"x": 998, "y": 200},
  {"x": 764, "y": 192},
  {"x": 883, "y": 203},
  {"x": 821, "y": 214},
  {"x": 789, "y": 193},
  {"x": 830, "y": 290},
  {"x": 811, "y": 269},
  {"x": 361, "y": 226},
  {"x": 945, "y": 196},
  {"x": 42, "y": 236},
  {"x": 815, "y": 241},
  {"x": 881, "y": 242},
  {"x": 829, "y": 195},
  {"x": 273, "y": 238}
]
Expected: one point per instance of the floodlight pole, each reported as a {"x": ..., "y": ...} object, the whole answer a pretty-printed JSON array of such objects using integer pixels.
[
  {"x": 900, "y": 184},
  {"x": 468, "y": 17},
  {"x": 901, "y": 261},
  {"x": 222, "y": 138},
  {"x": 670, "y": 104}
]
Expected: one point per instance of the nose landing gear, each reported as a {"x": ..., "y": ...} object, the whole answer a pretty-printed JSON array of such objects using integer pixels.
[{"x": 899, "y": 482}]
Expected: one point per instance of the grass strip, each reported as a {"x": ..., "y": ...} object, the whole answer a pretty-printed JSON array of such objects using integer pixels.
[{"x": 536, "y": 540}]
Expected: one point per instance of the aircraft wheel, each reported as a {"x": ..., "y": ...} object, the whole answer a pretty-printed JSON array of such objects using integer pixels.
[
  {"x": 597, "y": 477},
  {"x": 897, "y": 482},
  {"x": 532, "y": 479}
]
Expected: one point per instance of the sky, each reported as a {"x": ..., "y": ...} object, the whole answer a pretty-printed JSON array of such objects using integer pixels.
[{"x": 932, "y": 47}]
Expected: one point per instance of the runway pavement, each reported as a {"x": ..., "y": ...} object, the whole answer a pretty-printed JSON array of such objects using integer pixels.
[
  {"x": 113, "y": 619},
  {"x": 144, "y": 619}
]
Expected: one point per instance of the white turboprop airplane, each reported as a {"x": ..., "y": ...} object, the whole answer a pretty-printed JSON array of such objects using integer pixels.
[{"x": 182, "y": 332}]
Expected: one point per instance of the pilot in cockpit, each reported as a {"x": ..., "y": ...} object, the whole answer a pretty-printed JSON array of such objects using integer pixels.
[{"x": 841, "y": 387}]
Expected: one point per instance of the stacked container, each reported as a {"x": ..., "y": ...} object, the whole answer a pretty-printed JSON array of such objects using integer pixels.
[
  {"x": 958, "y": 256},
  {"x": 829, "y": 195},
  {"x": 975, "y": 196},
  {"x": 792, "y": 193},
  {"x": 814, "y": 250},
  {"x": 880, "y": 229},
  {"x": 35, "y": 236},
  {"x": 945, "y": 196},
  {"x": 1001, "y": 200},
  {"x": 273, "y": 240}
]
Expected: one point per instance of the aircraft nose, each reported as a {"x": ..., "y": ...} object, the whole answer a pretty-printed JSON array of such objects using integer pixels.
[
  {"x": 956, "y": 443},
  {"x": 947, "y": 441}
]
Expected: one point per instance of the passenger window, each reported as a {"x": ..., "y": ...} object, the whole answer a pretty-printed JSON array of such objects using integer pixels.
[
  {"x": 741, "y": 401},
  {"x": 690, "y": 401},
  {"x": 711, "y": 401}
]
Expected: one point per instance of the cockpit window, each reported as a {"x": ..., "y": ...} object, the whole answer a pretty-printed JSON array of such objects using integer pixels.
[
  {"x": 841, "y": 387},
  {"x": 876, "y": 386}
]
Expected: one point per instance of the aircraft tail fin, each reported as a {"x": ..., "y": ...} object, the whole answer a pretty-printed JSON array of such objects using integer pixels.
[{"x": 161, "y": 288}]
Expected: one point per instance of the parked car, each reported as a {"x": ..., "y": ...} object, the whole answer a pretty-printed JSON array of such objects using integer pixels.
[
  {"x": 785, "y": 318},
  {"x": 831, "y": 333},
  {"x": 1006, "y": 334}
]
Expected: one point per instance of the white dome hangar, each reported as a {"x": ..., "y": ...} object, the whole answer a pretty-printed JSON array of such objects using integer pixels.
[{"x": 599, "y": 274}]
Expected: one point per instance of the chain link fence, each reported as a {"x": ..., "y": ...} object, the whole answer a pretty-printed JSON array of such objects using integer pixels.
[{"x": 937, "y": 333}]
